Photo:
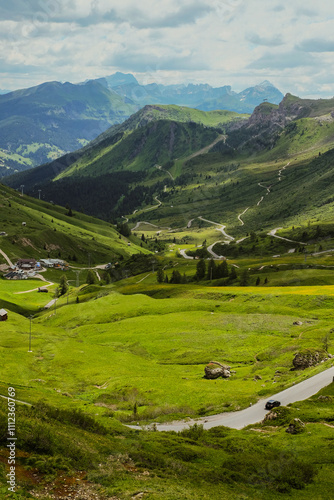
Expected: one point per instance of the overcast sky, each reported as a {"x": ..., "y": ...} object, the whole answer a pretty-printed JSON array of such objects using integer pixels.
[{"x": 232, "y": 42}]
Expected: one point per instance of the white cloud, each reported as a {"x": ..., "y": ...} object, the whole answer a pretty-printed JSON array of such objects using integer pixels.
[{"x": 221, "y": 42}]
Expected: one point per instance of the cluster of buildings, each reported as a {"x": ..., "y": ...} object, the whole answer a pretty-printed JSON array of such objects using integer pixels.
[{"x": 27, "y": 268}]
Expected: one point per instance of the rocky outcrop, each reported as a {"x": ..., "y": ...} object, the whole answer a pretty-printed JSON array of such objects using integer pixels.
[
  {"x": 215, "y": 370},
  {"x": 307, "y": 358},
  {"x": 271, "y": 415},
  {"x": 296, "y": 426}
]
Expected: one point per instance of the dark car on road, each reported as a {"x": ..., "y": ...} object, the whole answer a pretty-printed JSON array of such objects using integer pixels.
[{"x": 272, "y": 403}]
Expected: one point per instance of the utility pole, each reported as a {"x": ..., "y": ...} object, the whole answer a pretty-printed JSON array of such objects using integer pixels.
[
  {"x": 39, "y": 194},
  {"x": 22, "y": 186},
  {"x": 30, "y": 317},
  {"x": 78, "y": 279}
]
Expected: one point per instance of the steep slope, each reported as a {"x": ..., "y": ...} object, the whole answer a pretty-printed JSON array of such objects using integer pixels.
[
  {"x": 50, "y": 231},
  {"x": 158, "y": 142},
  {"x": 294, "y": 125},
  {"x": 124, "y": 156},
  {"x": 43, "y": 122}
]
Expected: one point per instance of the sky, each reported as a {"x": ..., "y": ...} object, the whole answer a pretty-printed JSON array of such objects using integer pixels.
[{"x": 233, "y": 42}]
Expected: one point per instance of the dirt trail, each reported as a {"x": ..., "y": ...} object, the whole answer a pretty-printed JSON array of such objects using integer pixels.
[
  {"x": 144, "y": 278},
  {"x": 17, "y": 400},
  {"x": 6, "y": 257},
  {"x": 50, "y": 304},
  {"x": 206, "y": 149},
  {"x": 265, "y": 187},
  {"x": 159, "y": 167},
  {"x": 281, "y": 170},
  {"x": 49, "y": 283},
  {"x": 149, "y": 224}
]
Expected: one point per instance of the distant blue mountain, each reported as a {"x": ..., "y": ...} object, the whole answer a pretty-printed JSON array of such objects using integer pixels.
[{"x": 200, "y": 96}]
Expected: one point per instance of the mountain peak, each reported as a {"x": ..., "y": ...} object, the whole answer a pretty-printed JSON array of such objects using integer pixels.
[
  {"x": 119, "y": 78},
  {"x": 265, "y": 83}
]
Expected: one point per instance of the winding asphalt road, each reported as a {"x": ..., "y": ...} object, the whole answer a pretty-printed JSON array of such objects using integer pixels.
[
  {"x": 239, "y": 216},
  {"x": 257, "y": 412},
  {"x": 273, "y": 233}
]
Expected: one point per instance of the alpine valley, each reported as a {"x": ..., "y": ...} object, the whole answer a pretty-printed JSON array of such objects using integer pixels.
[{"x": 186, "y": 260}]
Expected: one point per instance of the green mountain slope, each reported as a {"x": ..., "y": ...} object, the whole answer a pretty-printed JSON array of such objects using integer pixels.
[
  {"x": 49, "y": 231},
  {"x": 118, "y": 171},
  {"x": 156, "y": 143},
  {"x": 169, "y": 165}
]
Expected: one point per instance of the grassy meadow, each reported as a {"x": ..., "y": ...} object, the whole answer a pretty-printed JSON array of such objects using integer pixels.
[
  {"x": 124, "y": 349},
  {"x": 136, "y": 352}
]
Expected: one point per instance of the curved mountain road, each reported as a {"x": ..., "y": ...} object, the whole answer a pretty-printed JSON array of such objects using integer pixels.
[
  {"x": 214, "y": 255},
  {"x": 239, "y": 216},
  {"x": 273, "y": 233},
  {"x": 257, "y": 412},
  {"x": 154, "y": 206},
  {"x": 183, "y": 253},
  {"x": 220, "y": 228}
]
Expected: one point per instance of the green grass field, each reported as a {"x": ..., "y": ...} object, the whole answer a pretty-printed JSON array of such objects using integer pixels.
[
  {"x": 120, "y": 355},
  {"x": 153, "y": 351},
  {"x": 49, "y": 232}
]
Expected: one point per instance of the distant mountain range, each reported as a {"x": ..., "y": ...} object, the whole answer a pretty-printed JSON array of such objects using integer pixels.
[
  {"x": 42, "y": 123},
  {"x": 200, "y": 96}
]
